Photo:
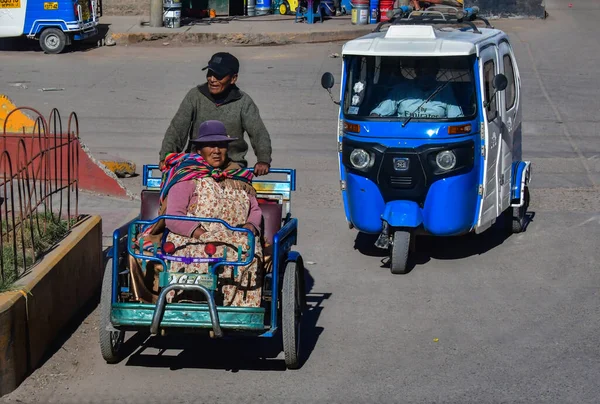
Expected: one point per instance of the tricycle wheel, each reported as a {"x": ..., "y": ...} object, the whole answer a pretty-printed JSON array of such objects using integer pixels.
[
  {"x": 291, "y": 307},
  {"x": 111, "y": 342},
  {"x": 518, "y": 215},
  {"x": 53, "y": 40},
  {"x": 399, "y": 252}
]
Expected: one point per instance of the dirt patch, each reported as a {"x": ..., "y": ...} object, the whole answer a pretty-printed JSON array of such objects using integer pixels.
[{"x": 125, "y": 7}]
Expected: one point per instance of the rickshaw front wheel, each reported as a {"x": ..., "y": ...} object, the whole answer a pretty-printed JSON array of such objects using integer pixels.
[
  {"x": 111, "y": 342},
  {"x": 291, "y": 306},
  {"x": 399, "y": 252},
  {"x": 518, "y": 215}
]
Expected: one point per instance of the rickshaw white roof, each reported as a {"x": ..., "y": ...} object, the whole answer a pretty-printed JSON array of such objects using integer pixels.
[{"x": 420, "y": 40}]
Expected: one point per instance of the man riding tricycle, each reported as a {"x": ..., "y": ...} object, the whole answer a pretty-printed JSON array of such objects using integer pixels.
[
  {"x": 210, "y": 251},
  {"x": 429, "y": 130}
]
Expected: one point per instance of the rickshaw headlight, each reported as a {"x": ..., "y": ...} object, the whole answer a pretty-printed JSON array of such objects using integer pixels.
[
  {"x": 446, "y": 160},
  {"x": 359, "y": 158}
]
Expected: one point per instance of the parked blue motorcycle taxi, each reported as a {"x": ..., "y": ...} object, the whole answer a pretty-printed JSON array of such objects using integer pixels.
[{"x": 429, "y": 131}]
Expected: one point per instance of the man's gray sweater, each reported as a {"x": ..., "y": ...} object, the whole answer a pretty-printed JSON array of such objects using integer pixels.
[{"x": 237, "y": 111}]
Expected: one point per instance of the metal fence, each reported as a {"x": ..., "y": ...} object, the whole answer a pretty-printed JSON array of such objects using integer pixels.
[{"x": 38, "y": 189}]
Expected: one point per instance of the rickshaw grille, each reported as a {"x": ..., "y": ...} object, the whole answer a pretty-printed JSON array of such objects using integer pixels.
[{"x": 401, "y": 182}]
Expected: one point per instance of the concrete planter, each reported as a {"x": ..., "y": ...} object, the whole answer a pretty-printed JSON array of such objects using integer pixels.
[{"x": 59, "y": 286}]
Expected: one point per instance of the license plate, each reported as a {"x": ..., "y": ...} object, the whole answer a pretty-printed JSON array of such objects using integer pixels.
[
  {"x": 10, "y": 3},
  {"x": 179, "y": 278}
]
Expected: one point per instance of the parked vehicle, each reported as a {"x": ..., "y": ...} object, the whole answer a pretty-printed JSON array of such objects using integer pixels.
[
  {"x": 56, "y": 24},
  {"x": 429, "y": 130}
]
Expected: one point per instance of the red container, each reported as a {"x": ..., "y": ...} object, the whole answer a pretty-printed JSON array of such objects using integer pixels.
[{"x": 384, "y": 6}]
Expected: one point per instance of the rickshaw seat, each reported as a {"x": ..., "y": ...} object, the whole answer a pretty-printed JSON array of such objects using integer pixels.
[
  {"x": 271, "y": 213},
  {"x": 150, "y": 204}
]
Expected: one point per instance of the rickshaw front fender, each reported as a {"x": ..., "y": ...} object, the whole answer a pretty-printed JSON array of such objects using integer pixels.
[{"x": 402, "y": 214}]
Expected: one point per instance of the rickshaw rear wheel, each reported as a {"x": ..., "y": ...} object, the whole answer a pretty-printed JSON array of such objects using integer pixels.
[
  {"x": 111, "y": 342},
  {"x": 291, "y": 307},
  {"x": 399, "y": 252},
  {"x": 53, "y": 40}
]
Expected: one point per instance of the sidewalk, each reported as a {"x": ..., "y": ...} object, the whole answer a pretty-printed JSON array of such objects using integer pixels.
[
  {"x": 114, "y": 212},
  {"x": 250, "y": 31}
]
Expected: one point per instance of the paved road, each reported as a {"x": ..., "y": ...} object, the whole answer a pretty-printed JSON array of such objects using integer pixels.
[{"x": 515, "y": 319}]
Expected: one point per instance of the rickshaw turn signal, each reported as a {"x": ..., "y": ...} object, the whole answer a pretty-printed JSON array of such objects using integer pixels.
[
  {"x": 351, "y": 127},
  {"x": 460, "y": 129}
]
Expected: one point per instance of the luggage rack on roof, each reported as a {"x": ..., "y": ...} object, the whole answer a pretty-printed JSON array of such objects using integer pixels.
[{"x": 434, "y": 15}]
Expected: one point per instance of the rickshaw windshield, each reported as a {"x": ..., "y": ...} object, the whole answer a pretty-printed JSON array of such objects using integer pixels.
[{"x": 394, "y": 87}]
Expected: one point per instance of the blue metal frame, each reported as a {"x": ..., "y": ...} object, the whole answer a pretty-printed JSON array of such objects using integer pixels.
[
  {"x": 190, "y": 219},
  {"x": 310, "y": 15},
  {"x": 283, "y": 241},
  {"x": 151, "y": 181},
  {"x": 282, "y": 245}
]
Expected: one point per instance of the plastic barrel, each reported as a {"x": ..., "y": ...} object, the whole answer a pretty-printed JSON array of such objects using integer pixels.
[
  {"x": 360, "y": 12},
  {"x": 384, "y": 6},
  {"x": 251, "y": 8},
  {"x": 328, "y": 7},
  {"x": 346, "y": 6},
  {"x": 263, "y": 7},
  {"x": 172, "y": 14},
  {"x": 373, "y": 11}
]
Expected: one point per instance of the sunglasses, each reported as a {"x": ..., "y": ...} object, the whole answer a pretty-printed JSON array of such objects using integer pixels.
[{"x": 219, "y": 77}]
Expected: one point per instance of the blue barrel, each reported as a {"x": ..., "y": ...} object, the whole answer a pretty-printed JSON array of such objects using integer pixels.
[
  {"x": 328, "y": 7},
  {"x": 373, "y": 11},
  {"x": 263, "y": 7},
  {"x": 346, "y": 6}
]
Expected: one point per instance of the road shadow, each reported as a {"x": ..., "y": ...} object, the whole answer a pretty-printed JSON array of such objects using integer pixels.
[
  {"x": 232, "y": 352},
  {"x": 68, "y": 331},
  {"x": 23, "y": 44},
  {"x": 443, "y": 248}
]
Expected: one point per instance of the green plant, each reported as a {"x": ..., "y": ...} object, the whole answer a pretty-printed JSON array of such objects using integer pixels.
[{"x": 34, "y": 237}]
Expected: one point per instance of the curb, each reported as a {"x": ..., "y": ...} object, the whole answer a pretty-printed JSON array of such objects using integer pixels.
[
  {"x": 50, "y": 296},
  {"x": 245, "y": 39}
]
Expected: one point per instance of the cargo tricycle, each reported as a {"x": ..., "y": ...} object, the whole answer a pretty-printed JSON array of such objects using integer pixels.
[
  {"x": 429, "y": 130},
  {"x": 283, "y": 286}
]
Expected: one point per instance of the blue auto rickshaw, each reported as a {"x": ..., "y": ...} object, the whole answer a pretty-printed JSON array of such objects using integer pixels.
[
  {"x": 429, "y": 130},
  {"x": 56, "y": 24}
]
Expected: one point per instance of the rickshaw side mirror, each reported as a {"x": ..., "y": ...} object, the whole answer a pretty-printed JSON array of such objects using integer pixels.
[
  {"x": 327, "y": 81},
  {"x": 500, "y": 82}
]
